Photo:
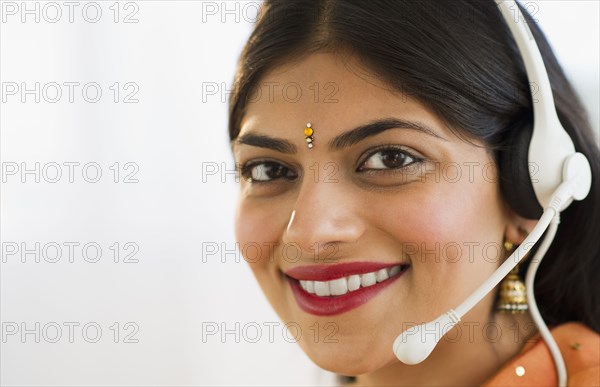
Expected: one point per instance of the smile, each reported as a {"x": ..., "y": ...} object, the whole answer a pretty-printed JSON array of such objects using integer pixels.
[
  {"x": 332, "y": 289},
  {"x": 341, "y": 286}
]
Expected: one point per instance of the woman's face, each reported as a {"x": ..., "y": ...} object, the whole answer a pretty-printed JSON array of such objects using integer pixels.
[{"x": 386, "y": 195}]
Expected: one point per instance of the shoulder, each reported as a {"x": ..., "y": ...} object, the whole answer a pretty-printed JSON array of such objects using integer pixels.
[{"x": 580, "y": 348}]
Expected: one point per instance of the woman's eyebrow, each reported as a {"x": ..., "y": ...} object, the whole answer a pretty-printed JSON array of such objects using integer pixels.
[
  {"x": 362, "y": 132},
  {"x": 264, "y": 141},
  {"x": 341, "y": 141}
]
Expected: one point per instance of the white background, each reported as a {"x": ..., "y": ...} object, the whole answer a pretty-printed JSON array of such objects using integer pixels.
[{"x": 176, "y": 291}]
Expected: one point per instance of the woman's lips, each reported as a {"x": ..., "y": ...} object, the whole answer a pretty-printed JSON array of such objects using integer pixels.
[{"x": 326, "y": 290}]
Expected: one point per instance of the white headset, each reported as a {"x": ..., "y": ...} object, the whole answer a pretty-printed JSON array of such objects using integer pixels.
[{"x": 563, "y": 175}]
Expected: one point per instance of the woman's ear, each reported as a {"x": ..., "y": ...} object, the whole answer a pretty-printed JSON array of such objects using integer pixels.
[{"x": 517, "y": 228}]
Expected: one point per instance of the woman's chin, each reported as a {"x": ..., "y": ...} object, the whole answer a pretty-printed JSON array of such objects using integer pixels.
[{"x": 349, "y": 360}]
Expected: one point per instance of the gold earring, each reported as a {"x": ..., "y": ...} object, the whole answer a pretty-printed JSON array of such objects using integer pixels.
[
  {"x": 308, "y": 132},
  {"x": 512, "y": 296}
]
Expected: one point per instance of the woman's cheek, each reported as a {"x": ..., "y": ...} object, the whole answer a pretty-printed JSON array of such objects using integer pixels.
[
  {"x": 435, "y": 228},
  {"x": 258, "y": 228}
]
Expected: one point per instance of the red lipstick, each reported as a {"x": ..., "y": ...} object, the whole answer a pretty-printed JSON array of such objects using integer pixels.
[{"x": 332, "y": 305}]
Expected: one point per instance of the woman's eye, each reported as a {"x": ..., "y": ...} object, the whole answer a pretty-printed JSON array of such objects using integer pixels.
[
  {"x": 388, "y": 159},
  {"x": 266, "y": 171}
]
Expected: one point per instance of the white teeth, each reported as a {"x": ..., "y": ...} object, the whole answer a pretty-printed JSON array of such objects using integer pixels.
[
  {"x": 309, "y": 286},
  {"x": 382, "y": 275},
  {"x": 322, "y": 288},
  {"x": 341, "y": 286},
  {"x": 338, "y": 287},
  {"x": 394, "y": 270},
  {"x": 353, "y": 282},
  {"x": 368, "y": 279}
]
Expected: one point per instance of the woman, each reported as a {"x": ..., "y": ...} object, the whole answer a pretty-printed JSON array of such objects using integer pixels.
[{"x": 369, "y": 136}]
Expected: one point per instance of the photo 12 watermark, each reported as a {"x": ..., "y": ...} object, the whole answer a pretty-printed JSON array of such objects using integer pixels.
[
  {"x": 69, "y": 252},
  {"x": 70, "y": 12},
  {"x": 268, "y": 332},
  {"x": 69, "y": 172},
  {"x": 92, "y": 332},
  {"x": 69, "y": 92},
  {"x": 289, "y": 92}
]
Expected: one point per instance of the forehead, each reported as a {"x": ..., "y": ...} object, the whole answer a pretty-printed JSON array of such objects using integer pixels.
[{"x": 333, "y": 92}]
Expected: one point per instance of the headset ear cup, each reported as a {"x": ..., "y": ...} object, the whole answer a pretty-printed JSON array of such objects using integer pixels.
[{"x": 515, "y": 182}]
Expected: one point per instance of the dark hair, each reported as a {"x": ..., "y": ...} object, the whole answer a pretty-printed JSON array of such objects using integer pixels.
[{"x": 458, "y": 58}]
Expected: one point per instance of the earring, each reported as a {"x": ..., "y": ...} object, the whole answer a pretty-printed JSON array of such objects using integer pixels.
[
  {"x": 512, "y": 294},
  {"x": 308, "y": 132}
]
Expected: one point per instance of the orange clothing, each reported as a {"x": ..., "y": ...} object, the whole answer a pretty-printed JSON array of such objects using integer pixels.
[{"x": 580, "y": 348}]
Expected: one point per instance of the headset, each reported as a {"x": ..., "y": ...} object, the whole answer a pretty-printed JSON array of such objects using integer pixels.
[{"x": 561, "y": 176}]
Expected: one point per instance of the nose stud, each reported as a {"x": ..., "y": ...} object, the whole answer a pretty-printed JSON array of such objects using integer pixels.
[{"x": 308, "y": 132}]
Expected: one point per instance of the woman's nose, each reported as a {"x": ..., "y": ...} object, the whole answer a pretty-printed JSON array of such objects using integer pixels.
[{"x": 325, "y": 214}]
